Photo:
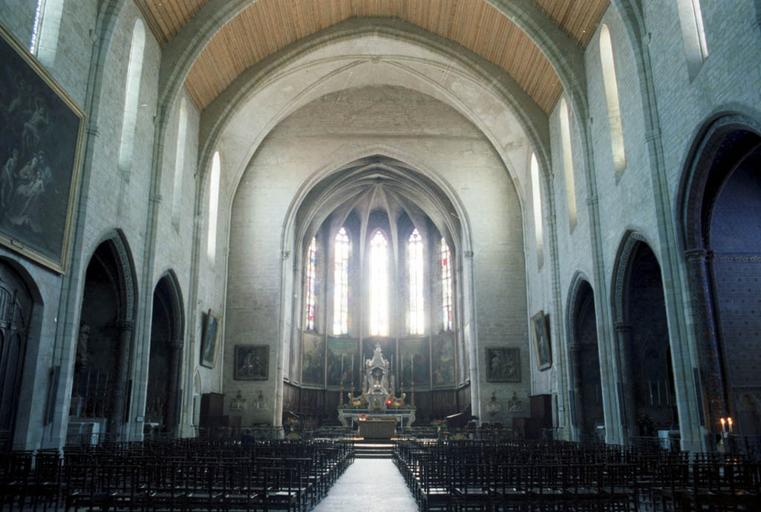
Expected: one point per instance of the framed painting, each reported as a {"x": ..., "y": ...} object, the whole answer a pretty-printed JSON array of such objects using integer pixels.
[
  {"x": 443, "y": 360},
  {"x": 313, "y": 361},
  {"x": 540, "y": 330},
  {"x": 343, "y": 362},
  {"x": 414, "y": 363},
  {"x": 40, "y": 152},
  {"x": 252, "y": 362},
  {"x": 503, "y": 364},
  {"x": 209, "y": 328}
]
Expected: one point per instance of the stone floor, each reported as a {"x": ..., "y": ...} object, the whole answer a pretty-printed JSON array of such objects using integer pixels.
[{"x": 369, "y": 485}]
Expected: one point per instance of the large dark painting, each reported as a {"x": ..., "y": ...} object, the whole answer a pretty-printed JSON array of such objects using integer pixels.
[
  {"x": 313, "y": 361},
  {"x": 252, "y": 362},
  {"x": 415, "y": 364},
  {"x": 209, "y": 327},
  {"x": 39, "y": 157},
  {"x": 503, "y": 364},
  {"x": 443, "y": 360},
  {"x": 343, "y": 363},
  {"x": 540, "y": 327}
]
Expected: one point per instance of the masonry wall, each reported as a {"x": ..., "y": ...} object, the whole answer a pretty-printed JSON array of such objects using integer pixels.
[{"x": 316, "y": 137}]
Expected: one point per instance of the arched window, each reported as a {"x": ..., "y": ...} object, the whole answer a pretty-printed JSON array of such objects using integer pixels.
[
  {"x": 47, "y": 27},
  {"x": 446, "y": 286},
  {"x": 568, "y": 172},
  {"x": 536, "y": 195},
  {"x": 342, "y": 250},
  {"x": 132, "y": 96},
  {"x": 610, "y": 85},
  {"x": 693, "y": 34},
  {"x": 311, "y": 285},
  {"x": 179, "y": 160},
  {"x": 379, "y": 285},
  {"x": 415, "y": 269},
  {"x": 211, "y": 242}
]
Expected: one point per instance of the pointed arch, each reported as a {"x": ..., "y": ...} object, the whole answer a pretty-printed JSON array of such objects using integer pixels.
[
  {"x": 132, "y": 96},
  {"x": 341, "y": 257},
  {"x": 610, "y": 86},
  {"x": 416, "y": 273},
  {"x": 379, "y": 284},
  {"x": 46, "y": 30}
]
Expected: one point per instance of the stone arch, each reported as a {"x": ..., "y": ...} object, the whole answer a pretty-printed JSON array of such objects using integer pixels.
[
  {"x": 718, "y": 193},
  {"x": 586, "y": 392},
  {"x": 646, "y": 393},
  {"x": 167, "y": 342},
  {"x": 305, "y": 208},
  {"x": 105, "y": 341},
  {"x": 20, "y": 324}
]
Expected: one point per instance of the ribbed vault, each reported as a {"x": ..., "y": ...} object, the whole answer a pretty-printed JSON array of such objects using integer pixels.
[{"x": 267, "y": 26}]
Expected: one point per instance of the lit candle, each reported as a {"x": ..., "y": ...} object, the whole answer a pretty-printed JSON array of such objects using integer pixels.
[
  {"x": 723, "y": 424},
  {"x": 729, "y": 423}
]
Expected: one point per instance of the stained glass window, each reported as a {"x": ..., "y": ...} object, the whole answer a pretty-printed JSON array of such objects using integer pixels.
[
  {"x": 446, "y": 286},
  {"x": 342, "y": 249},
  {"x": 378, "y": 285},
  {"x": 416, "y": 312},
  {"x": 311, "y": 285}
]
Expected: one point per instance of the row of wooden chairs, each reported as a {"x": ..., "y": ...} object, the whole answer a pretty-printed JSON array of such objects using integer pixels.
[
  {"x": 181, "y": 475},
  {"x": 568, "y": 476}
]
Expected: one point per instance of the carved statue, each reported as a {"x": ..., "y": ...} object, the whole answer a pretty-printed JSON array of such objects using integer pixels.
[
  {"x": 376, "y": 381},
  {"x": 82, "y": 345}
]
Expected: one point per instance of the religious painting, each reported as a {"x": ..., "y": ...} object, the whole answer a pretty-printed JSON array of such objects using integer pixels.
[
  {"x": 540, "y": 327},
  {"x": 503, "y": 364},
  {"x": 343, "y": 363},
  {"x": 39, "y": 158},
  {"x": 443, "y": 360},
  {"x": 209, "y": 327},
  {"x": 414, "y": 363},
  {"x": 251, "y": 362},
  {"x": 313, "y": 361},
  {"x": 388, "y": 347}
]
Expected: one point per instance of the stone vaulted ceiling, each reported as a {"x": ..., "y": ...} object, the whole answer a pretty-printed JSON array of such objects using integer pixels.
[{"x": 267, "y": 26}]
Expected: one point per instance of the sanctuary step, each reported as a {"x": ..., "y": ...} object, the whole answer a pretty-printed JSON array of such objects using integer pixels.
[{"x": 373, "y": 449}]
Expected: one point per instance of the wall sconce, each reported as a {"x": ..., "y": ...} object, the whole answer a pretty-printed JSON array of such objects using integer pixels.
[
  {"x": 238, "y": 403},
  {"x": 492, "y": 406},
  {"x": 259, "y": 403}
]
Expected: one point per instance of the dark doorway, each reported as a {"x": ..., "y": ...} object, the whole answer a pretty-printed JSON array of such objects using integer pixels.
[
  {"x": 101, "y": 388},
  {"x": 652, "y": 403},
  {"x": 162, "y": 401},
  {"x": 15, "y": 312},
  {"x": 587, "y": 385}
]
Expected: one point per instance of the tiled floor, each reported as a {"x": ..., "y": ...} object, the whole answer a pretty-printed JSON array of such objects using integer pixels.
[{"x": 369, "y": 485}]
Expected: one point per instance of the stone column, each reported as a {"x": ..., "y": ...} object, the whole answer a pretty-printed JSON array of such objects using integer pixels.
[
  {"x": 120, "y": 391},
  {"x": 577, "y": 419},
  {"x": 625, "y": 393},
  {"x": 713, "y": 392},
  {"x": 172, "y": 398}
]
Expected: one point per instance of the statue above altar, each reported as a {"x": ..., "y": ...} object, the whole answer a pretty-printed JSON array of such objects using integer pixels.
[{"x": 378, "y": 385}]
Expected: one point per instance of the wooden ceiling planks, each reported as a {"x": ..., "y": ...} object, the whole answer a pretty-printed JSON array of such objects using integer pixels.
[
  {"x": 578, "y": 18},
  {"x": 166, "y": 17},
  {"x": 267, "y": 26}
]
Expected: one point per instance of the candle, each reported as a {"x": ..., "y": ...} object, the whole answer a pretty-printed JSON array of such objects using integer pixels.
[
  {"x": 729, "y": 423},
  {"x": 723, "y": 424}
]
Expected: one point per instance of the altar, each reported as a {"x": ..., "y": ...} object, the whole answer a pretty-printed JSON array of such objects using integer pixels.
[
  {"x": 403, "y": 418},
  {"x": 377, "y": 410}
]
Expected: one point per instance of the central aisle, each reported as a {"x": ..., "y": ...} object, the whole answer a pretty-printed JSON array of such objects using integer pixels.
[{"x": 369, "y": 485}]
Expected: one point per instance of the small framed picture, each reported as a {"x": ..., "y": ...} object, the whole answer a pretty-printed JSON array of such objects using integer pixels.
[
  {"x": 540, "y": 330},
  {"x": 251, "y": 362},
  {"x": 209, "y": 328}
]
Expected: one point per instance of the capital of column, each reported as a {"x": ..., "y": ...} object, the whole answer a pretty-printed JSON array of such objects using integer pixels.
[
  {"x": 698, "y": 254},
  {"x": 125, "y": 326}
]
